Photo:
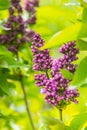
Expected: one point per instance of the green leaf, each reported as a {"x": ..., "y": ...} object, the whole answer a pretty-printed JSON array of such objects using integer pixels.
[
  {"x": 10, "y": 62},
  {"x": 4, "y": 84},
  {"x": 66, "y": 74},
  {"x": 83, "y": 3},
  {"x": 2, "y": 115},
  {"x": 4, "y": 14},
  {"x": 81, "y": 44},
  {"x": 52, "y": 122},
  {"x": 81, "y": 73},
  {"x": 85, "y": 128},
  {"x": 2, "y": 93},
  {"x": 84, "y": 84},
  {"x": 47, "y": 25},
  {"x": 4, "y": 4},
  {"x": 74, "y": 32},
  {"x": 44, "y": 127},
  {"x": 4, "y": 51},
  {"x": 78, "y": 121},
  {"x": 81, "y": 56},
  {"x": 84, "y": 15},
  {"x": 83, "y": 93},
  {"x": 68, "y": 128}
]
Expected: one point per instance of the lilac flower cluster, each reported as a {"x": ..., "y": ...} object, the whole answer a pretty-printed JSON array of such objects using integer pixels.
[
  {"x": 30, "y": 8},
  {"x": 58, "y": 93},
  {"x": 41, "y": 79},
  {"x": 16, "y": 32},
  {"x": 55, "y": 87},
  {"x": 42, "y": 60},
  {"x": 15, "y": 4},
  {"x": 69, "y": 50}
]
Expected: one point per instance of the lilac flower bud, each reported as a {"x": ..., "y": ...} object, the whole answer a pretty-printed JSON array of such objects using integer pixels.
[
  {"x": 41, "y": 79},
  {"x": 70, "y": 95},
  {"x": 69, "y": 49},
  {"x": 12, "y": 18},
  {"x": 19, "y": 8},
  {"x": 21, "y": 28},
  {"x": 3, "y": 39},
  {"x": 16, "y": 5},
  {"x": 36, "y": 3},
  {"x": 19, "y": 19},
  {"x": 29, "y": 6},
  {"x": 8, "y": 25},
  {"x": 15, "y": 1},
  {"x": 11, "y": 11},
  {"x": 30, "y": 33},
  {"x": 32, "y": 20},
  {"x": 13, "y": 49}
]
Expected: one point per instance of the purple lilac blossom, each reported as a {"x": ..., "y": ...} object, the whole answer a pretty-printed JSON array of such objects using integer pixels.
[
  {"x": 17, "y": 32},
  {"x": 30, "y": 7},
  {"x": 69, "y": 50},
  {"x": 55, "y": 87},
  {"x": 58, "y": 93},
  {"x": 41, "y": 79},
  {"x": 42, "y": 60}
]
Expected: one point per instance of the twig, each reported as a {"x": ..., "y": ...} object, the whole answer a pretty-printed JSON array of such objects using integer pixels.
[
  {"x": 60, "y": 113},
  {"x": 26, "y": 103},
  {"x": 47, "y": 74},
  {"x": 25, "y": 97}
]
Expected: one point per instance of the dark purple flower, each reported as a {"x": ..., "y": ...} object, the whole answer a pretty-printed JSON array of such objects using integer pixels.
[
  {"x": 12, "y": 49},
  {"x": 36, "y": 3},
  {"x": 8, "y": 25},
  {"x": 3, "y": 39},
  {"x": 55, "y": 86},
  {"x": 32, "y": 20},
  {"x": 16, "y": 5},
  {"x": 41, "y": 79},
  {"x": 14, "y": 2},
  {"x": 42, "y": 60},
  {"x": 16, "y": 32},
  {"x": 19, "y": 8},
  {"x": 29, "y": 6},
  {"x": 69, "y": 50},
  {"x": 21, "y": 28},
  {"x": 11, "y": 10},
  {"x": 58, "y": 93},
  {"x": 29, "y": 34}
]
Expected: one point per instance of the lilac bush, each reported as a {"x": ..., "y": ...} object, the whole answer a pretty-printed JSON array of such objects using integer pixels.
[
  {"x": 52, "y": 82},
  {"x": 17, "y": 31}
]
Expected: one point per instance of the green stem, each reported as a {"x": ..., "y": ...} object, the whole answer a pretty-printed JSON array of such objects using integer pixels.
[
  {"x": 61, "y": 114},
  {"x": 26, "y": 103},
  {"x": 25, "y": 97},
  {"x": 47, "y": 74}
]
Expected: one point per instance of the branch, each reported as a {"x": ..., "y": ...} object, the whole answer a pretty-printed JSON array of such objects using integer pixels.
[
  {"x": 26, "y": 103},
  {"x": 47, "y": 74},
  {"x": 25, "y": 97},
  {"x": 60, "y": 113}
]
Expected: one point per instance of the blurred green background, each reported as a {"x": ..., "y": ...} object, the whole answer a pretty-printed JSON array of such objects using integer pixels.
[{"x": 52, "y": 16}]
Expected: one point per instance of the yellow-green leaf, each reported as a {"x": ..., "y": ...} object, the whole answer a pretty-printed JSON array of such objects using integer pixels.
[{"x": 74, "y": 32}]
